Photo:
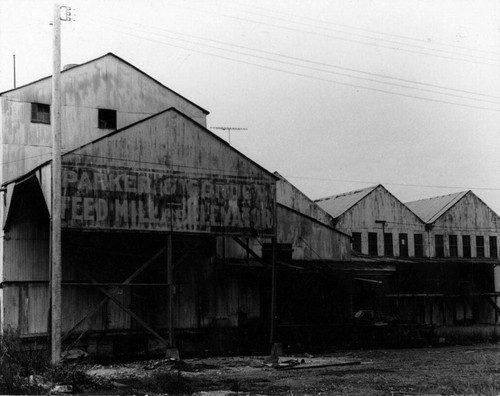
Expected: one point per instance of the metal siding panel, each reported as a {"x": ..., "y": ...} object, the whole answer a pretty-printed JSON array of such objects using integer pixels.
[{"x": 184, "y": 179}]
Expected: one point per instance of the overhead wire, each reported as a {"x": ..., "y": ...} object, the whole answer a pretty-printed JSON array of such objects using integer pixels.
[
  {"x": 301, "y": 74},
  {"x": 390, "y": 184},
  {"x": 399, "y": 36},
  {"x": 272, "y": 53},
  {"x": 342, "y": 38}
]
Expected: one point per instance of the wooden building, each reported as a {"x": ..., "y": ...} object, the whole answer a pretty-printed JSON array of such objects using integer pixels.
[
  {"x": 380, "y": 224},
  {"x": 463, "y": 279},
  {"x": 444, "y": 252},
  {"x": 145, "y": 183}
]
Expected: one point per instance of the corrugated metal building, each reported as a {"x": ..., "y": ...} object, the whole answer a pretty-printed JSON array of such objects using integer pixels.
[
  {"x": 139, "y": 167},
  {"x": 444, "y": 250}
]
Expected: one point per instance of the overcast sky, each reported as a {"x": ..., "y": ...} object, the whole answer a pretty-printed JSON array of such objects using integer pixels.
[{"x": 336, "y": 95}]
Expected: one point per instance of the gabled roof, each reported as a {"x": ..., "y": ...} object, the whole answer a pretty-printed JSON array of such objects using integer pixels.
[
  {"x": 336, "y": 205},
  {"x": 144, "y": 120},
  {"x": 121, "y": 60},
  {"x": 430, "y": 209}
]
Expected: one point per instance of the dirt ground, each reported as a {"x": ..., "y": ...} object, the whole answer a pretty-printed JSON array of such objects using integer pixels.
[{"x": 472, "y": 370}]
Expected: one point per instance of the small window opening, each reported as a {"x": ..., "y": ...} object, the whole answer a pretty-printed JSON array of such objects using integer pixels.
[
  {"x": 40, "y": 113},
  {"x": 107, "y": 119}
]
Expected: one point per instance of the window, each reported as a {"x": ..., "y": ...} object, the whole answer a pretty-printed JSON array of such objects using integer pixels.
[
  {"x": 388, "y": 250},
  {"x": 493, "y": 247},
  {"x": 40, "y": 113},
  {"x": 479, "y": 246},
  {"x": 439, "y": 245},
  {"x": 403, "y": 245},
  {"x": 453, "y": 246},
  {"x": 466, "y": 243},
  {"x": 419, "y": 245},
  {"x": 372, "y": 244},
  {"x": 107, "y": 119},
  {"x": 356, "y": 241}
]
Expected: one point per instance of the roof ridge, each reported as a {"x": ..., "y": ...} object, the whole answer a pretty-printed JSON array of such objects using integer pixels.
[
  {"x": 347, "y": 193},
  {"x": 437, "y": 196}
]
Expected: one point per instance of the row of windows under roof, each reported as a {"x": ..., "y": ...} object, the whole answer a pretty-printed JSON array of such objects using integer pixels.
[
  {"x": 389, "y": 244},
  {"x": 40, "y": 114},
  {"x": 418, "y": 245},
  {"x": 453, "y": 245}
]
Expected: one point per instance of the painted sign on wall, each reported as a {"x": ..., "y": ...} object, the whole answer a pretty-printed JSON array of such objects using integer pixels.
[{"x": 99, "y": 197}]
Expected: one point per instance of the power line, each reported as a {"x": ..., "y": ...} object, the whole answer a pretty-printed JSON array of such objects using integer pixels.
[
  {"x": 302, "y": 17},
  {"x": 391, "y": 184},
  {"x": 304, "y": 75},
  {"x": 312, "y": 62},
  {"x": 372, "y": 38},
  {"x": 342, "y": 38}
]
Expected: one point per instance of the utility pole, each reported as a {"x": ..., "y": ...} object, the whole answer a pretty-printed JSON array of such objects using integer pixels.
[
  {"x": 14, "y": 62},
  {"x": 56, "y": 256},
  {"x": 229, "y": 129},
  {"x": 55, "y": 281}
]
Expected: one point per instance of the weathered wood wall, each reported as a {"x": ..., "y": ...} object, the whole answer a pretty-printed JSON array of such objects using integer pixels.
[
  {"x": 166, "y": 173},
  {"x": 469, "y": 216},
  {"x": 107, "y": 83},
  {"x": 383, "y": 206}
]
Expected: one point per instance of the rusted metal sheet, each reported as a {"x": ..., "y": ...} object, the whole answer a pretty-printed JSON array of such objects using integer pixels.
[
  {"x": 107, "y": 83},
  {"x": 430, "y": 209},
  {"x": 291, "y": 197},
  {"x": 310, "y": 239},
  {"x": 336, "y": 205},
  {"x": 110, "y": 198},
  {"x": 166, "y": 173},
  {"x": 375, "y": 210}
]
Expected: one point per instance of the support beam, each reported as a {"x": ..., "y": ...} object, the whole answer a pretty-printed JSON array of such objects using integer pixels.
[
  {"x": 124, "y": 283},
  {"x": 85, "y": 318},
  {"x": 249, "y": 251},
  {"x": 144, "y": 266},
  {"x": 273, "y": 292},
  {"x": 170, "y": 275},
  {"x": 125, "y": 309}
]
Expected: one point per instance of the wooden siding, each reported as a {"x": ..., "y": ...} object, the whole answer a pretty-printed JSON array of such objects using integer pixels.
[
  {"x": 382, "y": 205},
  {"x": 107, "y": 83},
  {"x": 469, "y": 216},
  {"x": 311, "y": 240},
  {"x": 166, "y": 173},
  {"x": 291, "y": 197}
]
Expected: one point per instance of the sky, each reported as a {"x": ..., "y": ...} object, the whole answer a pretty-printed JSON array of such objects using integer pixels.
[{"x": 335, "y": 95}]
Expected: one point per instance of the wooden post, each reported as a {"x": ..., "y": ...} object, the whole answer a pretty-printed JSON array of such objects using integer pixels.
[
  {"x": 170, "y": 272},
  {"x": 274, "y": 273},
  {"x": 273, "y": 291},
  {"x": 55, "y": 281}
]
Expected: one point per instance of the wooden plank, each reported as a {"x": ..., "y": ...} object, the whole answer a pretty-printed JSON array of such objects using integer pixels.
[{"x": 126, "y": 309}]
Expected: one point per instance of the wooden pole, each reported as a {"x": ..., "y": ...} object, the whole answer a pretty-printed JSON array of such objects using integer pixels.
[
  {"x": 55, "y": 281},
  {"x": 170, "y": 272},
  {"x": 14, "y": 61},
  {"x": 274, "y": 273}
]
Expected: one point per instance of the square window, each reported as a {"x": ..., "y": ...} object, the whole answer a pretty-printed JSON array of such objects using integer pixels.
[
  {"x": 107, "y": 119},
  {"x": 40, "y": 113}
]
